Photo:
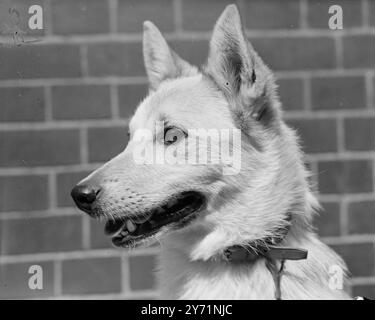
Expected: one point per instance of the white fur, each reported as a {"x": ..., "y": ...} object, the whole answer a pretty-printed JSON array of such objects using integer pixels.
[{"x": 240, "y": 209}]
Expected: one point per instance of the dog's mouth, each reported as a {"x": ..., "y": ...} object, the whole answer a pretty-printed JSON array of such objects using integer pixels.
[{"x": 177, "y": 211}]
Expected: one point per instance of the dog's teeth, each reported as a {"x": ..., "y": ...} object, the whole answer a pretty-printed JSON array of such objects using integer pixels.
[
  {"x": 130, "y": 226},
  {"x": 118, "y": 232},
  {"x": 141, "y": 219},
  {"x": 123, "y": 233}
]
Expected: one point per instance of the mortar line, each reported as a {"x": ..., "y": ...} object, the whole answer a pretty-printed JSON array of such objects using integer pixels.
[
  {"x": 75, "y": 255},
  {"x": 52, "y": 190},
  {"x": 177, "y": 15},
  {"x": 340, "y": 131},
  {"x": 363, "y": 280},
  {"x": 307, "y": 97},
  {"x": 329, "y": 114},
  {"x": 115, "y": 107},
  {"x": 349, "y": 239},
  {"x": 48, "y": 170},
  {"x": 354, "y": 197},
  {"x": 369, "y": 86},
  {"x": 141, "y": 294},
  {"x": 57, "y": 279},
  {"x": 339, "y": 50},
  {"x": 314, "y": 171},
  {"x": 64, "y": 124},
  {"x": 83, "y": 142},
  {"x": 47, "y": 16},
  {"x": 83, "y": 51},
  {"x": 125, "y": 275},
  {"x": 72, "y": 81},
  {"x": 303, "y": 11},
  {"x": 113, "y": 10},
  {"x": 48, "y": 107},
  {"x": 198, "y": 35},
  {"x": 85, "y": 233},
  {"x": 344, "y": 231},
  {"x": 49, "y": 213},
  {"x": 104, "y": 123},
  {"x": 344, "y": 156},
  {"x": 365, "y": 13},
  {"x": 143, "y": 80}
]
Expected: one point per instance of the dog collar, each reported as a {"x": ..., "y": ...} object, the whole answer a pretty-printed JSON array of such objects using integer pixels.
[
  {"x": 267, "y": 248},
  {"x": 275, "y": 258},
  {"x": 274, "y": 255},
  {"x": 240, "y": 254}
]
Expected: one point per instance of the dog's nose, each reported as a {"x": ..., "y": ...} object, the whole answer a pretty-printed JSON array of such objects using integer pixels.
[{"x": 84, "y": 196}]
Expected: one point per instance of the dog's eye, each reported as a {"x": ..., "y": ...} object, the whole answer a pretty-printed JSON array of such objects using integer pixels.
[{"x": 173, "y": 135}]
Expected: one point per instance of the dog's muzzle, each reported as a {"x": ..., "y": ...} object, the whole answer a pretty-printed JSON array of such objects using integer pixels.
[{"x": 127, "y": 229}]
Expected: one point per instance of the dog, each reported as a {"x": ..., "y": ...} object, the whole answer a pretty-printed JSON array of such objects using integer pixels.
[{"x": 198, "y": 213}]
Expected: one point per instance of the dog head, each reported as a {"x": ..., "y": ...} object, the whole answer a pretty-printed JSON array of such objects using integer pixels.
[{"x": 156, "y": 188}]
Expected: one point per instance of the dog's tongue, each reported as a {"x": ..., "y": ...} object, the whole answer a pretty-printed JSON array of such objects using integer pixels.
[{"x": 113, "y": 227}]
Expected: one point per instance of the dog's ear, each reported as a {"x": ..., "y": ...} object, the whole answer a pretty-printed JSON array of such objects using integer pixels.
[
  {"x": 161, "y": 62},
  {"x": 238, "y": 70}
]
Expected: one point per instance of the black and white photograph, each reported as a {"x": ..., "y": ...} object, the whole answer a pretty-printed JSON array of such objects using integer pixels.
[{"x": 187, "y": 150}]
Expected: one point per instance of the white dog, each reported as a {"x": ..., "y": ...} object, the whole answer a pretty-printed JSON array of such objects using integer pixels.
[{"x": 223, "y": 236}]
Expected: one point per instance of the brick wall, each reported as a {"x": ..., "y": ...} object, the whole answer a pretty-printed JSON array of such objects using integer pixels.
[{"x": 65, "y": 102}]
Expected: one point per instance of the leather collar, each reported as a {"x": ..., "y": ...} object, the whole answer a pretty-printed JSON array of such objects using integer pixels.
[{"x": 269, "y": 250}]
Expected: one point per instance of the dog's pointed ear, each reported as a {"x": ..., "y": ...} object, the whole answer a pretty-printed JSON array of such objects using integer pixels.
[
  {"x": 161, "y": 62},
  {"x": 236, "y": 67}
]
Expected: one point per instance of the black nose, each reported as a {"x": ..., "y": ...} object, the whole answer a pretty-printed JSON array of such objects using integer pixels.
[{"x": 84, "y": 196}]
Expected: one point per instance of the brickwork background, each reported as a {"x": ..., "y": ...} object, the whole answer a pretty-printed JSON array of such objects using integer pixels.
[{"x": 65, "y": 102}]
